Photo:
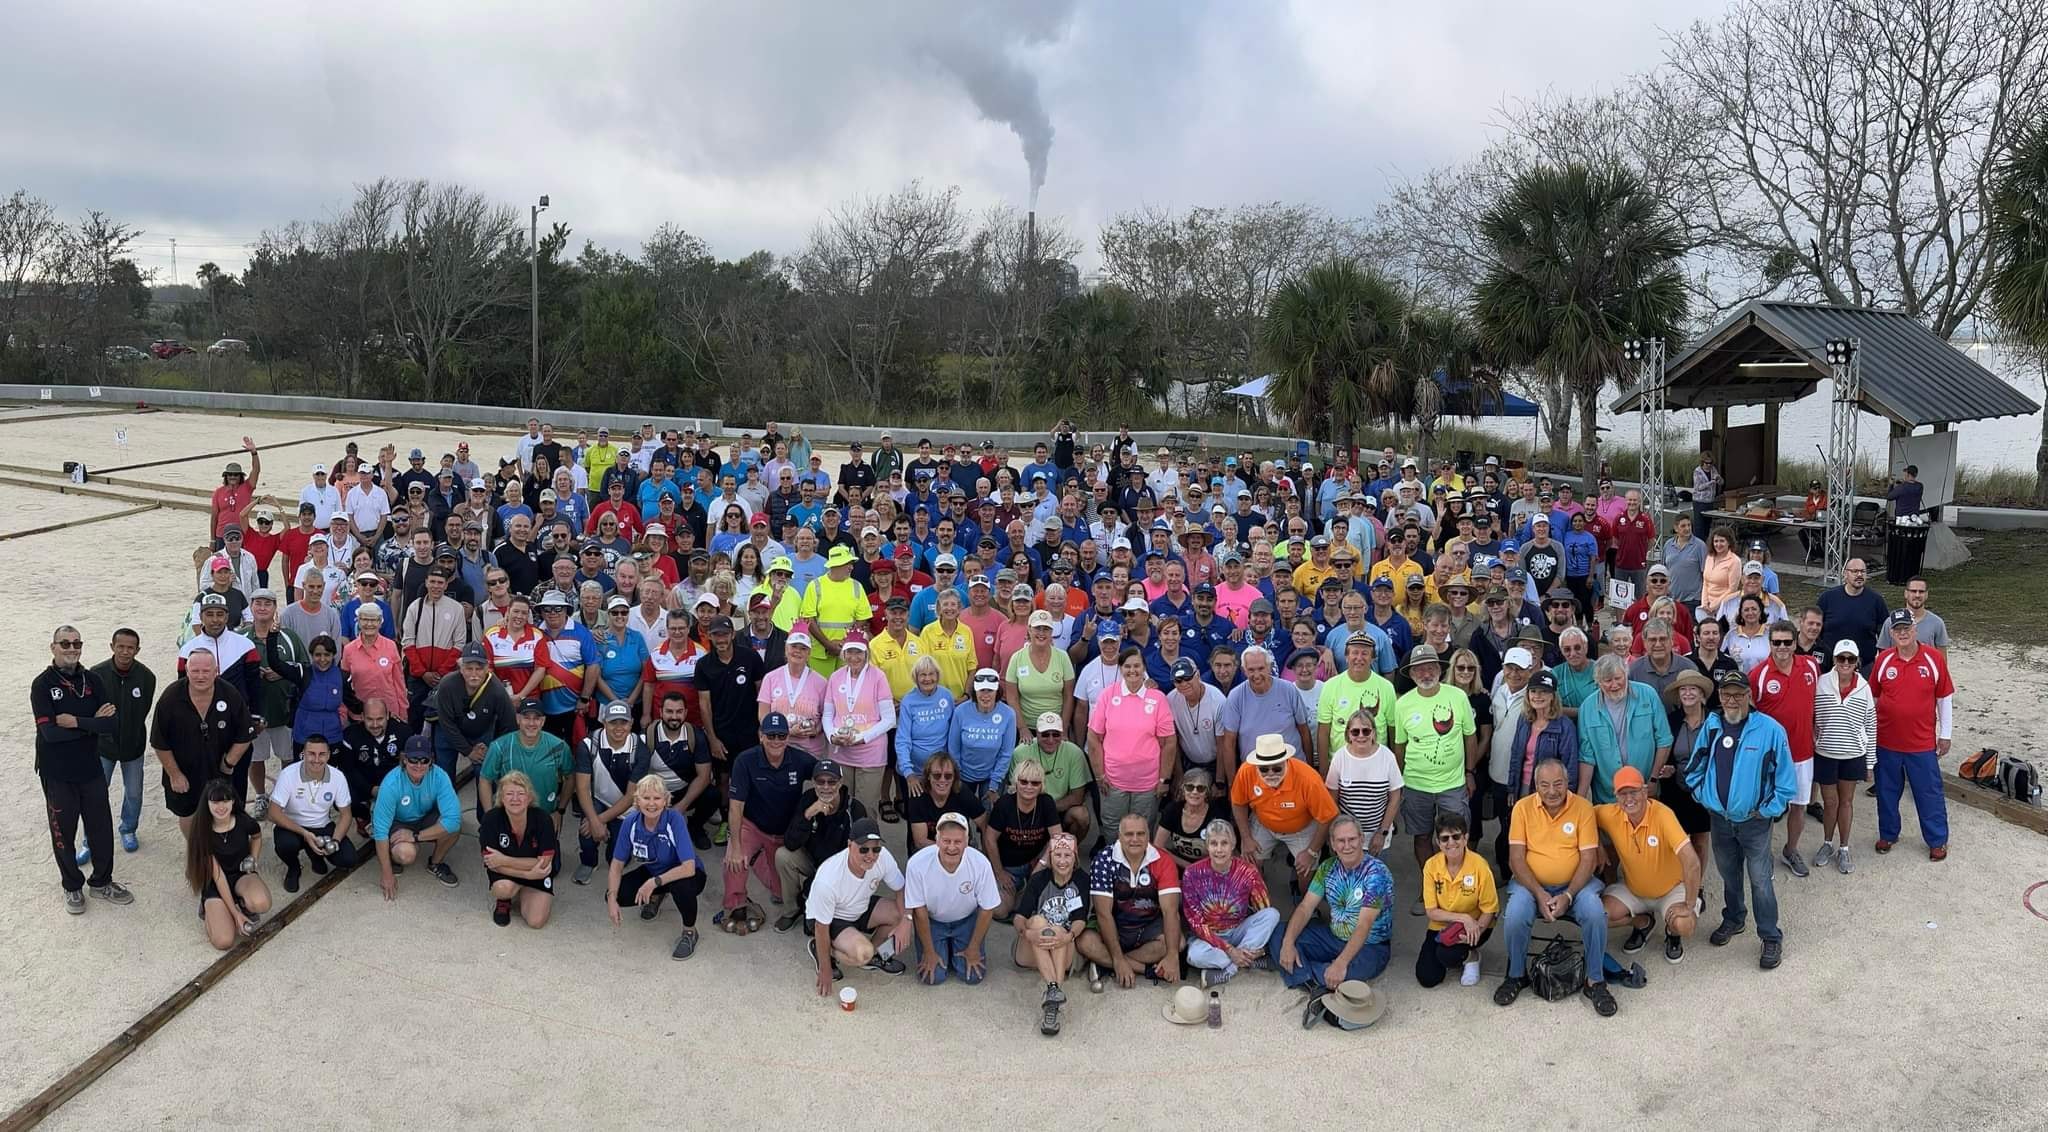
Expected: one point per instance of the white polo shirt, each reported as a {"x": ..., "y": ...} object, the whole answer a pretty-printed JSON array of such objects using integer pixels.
[
  {"x": 950, "y": 897},
  {"x": 311, "y": 804}
]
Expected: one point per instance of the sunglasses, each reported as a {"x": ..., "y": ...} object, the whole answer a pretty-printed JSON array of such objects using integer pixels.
[
  {"x": 70, "y": 644},
  {"x": 1447, "y": 838},
  {"x": 870, "y": 850},
  {"x": 1464, "y": 668},
  {"x": 1780, "y": 644},
  {"x": 1358, "y": 732},
  {"x": 1031, "y": 782}
]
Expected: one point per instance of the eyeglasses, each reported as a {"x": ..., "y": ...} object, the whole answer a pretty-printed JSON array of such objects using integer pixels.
[{"x": 1464, "y": 668}]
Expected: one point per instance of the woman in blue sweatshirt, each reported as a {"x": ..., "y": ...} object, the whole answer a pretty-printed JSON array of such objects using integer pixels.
[{"x": 981, "y": 737}]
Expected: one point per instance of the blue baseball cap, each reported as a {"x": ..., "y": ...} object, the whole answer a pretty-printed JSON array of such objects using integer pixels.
[
  {"x": 1384, "y": 581},
  {"x": 775, "y": 723}
]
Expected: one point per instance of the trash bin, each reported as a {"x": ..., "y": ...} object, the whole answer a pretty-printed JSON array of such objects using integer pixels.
[{"x": 1904, "y": 546}]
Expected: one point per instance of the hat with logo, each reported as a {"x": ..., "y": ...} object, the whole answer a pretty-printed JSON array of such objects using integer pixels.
[{"x": 775, "y": 724}]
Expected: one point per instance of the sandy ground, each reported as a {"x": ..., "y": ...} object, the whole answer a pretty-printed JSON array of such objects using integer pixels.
[
  {"x": 378, "y": 1013},
  {"x": 24, "y": 507}
]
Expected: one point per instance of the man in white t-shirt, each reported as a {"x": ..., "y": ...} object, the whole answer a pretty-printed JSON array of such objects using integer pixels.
[
  {"x": 850, "y": 917},
  {"x": 1197, "y": 714},
  {"x": 368, "y": 507},
  {"x": 309, "y": 813},
  {"x": 323, "y": 495},
  {"x": 952, "y": 897},
  {"x": 1097, "y": 675}
]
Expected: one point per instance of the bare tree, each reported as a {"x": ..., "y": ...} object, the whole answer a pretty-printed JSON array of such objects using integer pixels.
[
  {"x": 457, "y": 256},
  {"x": 1856, "y": 139},
  {"x": 865, "y": 274},
  {"x": 29, "y": 234}
]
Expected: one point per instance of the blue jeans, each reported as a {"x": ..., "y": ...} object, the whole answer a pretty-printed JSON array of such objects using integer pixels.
[
  {"x": 1586, "y": 911},
  {"x": 1317, "y": 947},
  {"x": 949, "y": 942},
  {"x": 1255, "y": 931},
  {"x": 1896, "y": 770},
  {"x": 1746, "y": 847},
  {"x": 131, "y": 791}
]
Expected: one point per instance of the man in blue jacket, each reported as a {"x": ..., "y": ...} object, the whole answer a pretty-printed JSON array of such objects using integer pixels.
[
  {"x": 1741, "y": 770},
  {"x": 416, "y": 806}
]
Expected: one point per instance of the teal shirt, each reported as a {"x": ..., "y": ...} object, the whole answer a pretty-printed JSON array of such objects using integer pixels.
[
  {"x": 547, "y": 763},
  {"x": 1645, "y": 729},
  {"x": 1574, "y": 687}
]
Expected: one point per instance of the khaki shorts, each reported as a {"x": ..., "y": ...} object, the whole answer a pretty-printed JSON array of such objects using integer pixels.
[
  {"x": 1296, "y": 842},
  {"x": 1658, "y": 906}
]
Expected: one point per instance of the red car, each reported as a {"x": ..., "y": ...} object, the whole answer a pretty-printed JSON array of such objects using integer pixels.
[{"x": 169, "y": 348}]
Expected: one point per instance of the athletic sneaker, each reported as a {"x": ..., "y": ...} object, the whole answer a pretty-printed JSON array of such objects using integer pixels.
[
  {"x": 1842, "y": 861},
  {"x": 1213, "y": 978},
  {"x": 811, "y": 945},
  {"x": 113, "y": 893},
  {"x": 443, "y": 873},
  {"x": 789, "y": 920},
  {"x": 74, "y": 902},
  {"x": 652, "y": 908},
  {"x": 1824, "y": 854},
  {"x": 1674, "y": 949},
  {"x": 1773, "y": 954},
  {"x": 686, "y": 944},
  {"x": 501, "y": 913},
  {"x": 260, "y": 808},
  {"x": 1793, "y": 861},
  {"x": 1049, "y": 1020},
  {"x": 583, "y": 873},
  {"x": 129, "y": 844},
  {"x": 1726, "y": 932},
  {"x": 1637, "y": 937},
  {"x": 718, "y": 832},
  {"x": 1054, "y": 995},
  {"x": 1470, "y": 976},
  {"x": 886, "y": 964}
]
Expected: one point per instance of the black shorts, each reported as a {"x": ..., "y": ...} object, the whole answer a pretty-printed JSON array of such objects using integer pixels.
[
  {"x": 212, "y": 892},
  {"x": 1130, "y": 938},
  {"x": 860, "y": 924},
  {"x": 416, "y": 825},
  {"x": 1692, "y": 817},
  {"x": 545, "y": 884},
  {"x": 1827, "y": 771}
]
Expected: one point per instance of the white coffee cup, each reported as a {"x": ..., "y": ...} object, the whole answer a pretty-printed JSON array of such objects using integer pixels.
[{"x": 847, "y": 997}]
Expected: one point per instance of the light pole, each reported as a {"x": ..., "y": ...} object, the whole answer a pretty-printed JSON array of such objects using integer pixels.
[{"x": 534, "y": 252}]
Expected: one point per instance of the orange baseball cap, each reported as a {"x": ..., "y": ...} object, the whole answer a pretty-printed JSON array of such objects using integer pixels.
[{"x": 1628, "y": 777}]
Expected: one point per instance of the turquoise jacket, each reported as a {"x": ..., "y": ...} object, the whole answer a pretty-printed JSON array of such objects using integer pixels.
[{"x": 1646, "y": 729}]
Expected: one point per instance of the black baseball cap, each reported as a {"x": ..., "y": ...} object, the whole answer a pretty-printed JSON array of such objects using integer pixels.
[
  {"x": 865, "y": 831},
  {"x": 1729, "y": 678},
  {"x": 531, "y": 707},
  {"x": 418, "y": 749}
]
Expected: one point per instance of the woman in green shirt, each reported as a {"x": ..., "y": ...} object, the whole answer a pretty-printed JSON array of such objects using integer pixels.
[{"x": 1040, "y": 679}]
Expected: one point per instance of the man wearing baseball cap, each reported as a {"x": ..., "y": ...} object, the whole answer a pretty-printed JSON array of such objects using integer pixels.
[
  {"x": 1659, "y": 869},
  {"x": 850, "y": 917},
  {"x": 833, "y": 604},
  {"x": 1915, "y": 715},
  {"x": 543, "y": 758},
  {"x": 416, "y": 805},
  {"x": 766, "y": 787},
  {"x": 1065, "y": 770},
  {"x": 823, "y": 823},
  {"x": 471, "y": 709},
  {"x": 950, "y": 891},
  {"x": 1741, "y": 771}
]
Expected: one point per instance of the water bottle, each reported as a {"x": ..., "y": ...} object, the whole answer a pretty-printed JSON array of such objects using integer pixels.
[{"x": 1215, "y": 1010}]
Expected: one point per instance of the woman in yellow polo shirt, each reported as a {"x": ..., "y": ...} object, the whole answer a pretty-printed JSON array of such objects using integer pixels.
[
  {"x": 948, "y": 641},
  {"x": 1459, "y": 896}
]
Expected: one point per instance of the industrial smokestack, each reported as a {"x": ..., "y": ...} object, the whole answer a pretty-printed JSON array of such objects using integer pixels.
[{"x": 1031, "y": 237}]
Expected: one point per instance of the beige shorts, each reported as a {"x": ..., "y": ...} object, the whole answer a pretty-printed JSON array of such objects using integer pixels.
[
  {"x": 1659, "y": 906},
  {"x": 1296, "y": 842}
]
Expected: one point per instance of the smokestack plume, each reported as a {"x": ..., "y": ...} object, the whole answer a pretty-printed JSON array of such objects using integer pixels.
[
  {"x": 1031, "y": 236},
  {"x": 1004, "y": 92}
]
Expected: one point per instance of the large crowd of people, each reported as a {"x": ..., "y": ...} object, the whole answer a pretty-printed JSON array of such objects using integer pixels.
[{"x": 1162, "y": 715}]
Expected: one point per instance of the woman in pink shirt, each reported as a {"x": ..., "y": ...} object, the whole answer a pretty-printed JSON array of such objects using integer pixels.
[
  {"x": 372, "y": 666},
  {"x": 798, "y": 693},
  {"x": 1131, "y": 742},
  {"x": 858, "y": 713},
  {"x": 983, "y": 620},
  {"x": 1015, "y": 632}
]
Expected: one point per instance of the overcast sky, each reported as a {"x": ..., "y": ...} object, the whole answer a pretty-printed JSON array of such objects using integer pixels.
[{"x": 745, "y": 122}]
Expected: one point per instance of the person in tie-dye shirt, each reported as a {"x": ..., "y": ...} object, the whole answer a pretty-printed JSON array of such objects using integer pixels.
[
  {"x": 1358, "y": 891},
  {"x": 1224, "y": 899}
]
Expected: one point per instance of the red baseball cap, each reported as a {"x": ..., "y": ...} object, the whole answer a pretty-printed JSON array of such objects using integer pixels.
[{"x": 760, "y": 519}]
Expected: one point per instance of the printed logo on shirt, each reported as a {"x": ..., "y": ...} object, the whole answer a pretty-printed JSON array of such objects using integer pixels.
[
  {"x": 1891, "y": 672},
  {"x": 135, "y": 693},
  {"x": 383, "y": 662},
  {"x": 504, "y": 840},
  {"x": 58, "y": 694},
  {"x": 1773, "y": 687},
  {"x": 405, "y": 799},
  {"x": 1471, "y": 881},
  {"x": 1653, "y": 841},
  {"x": 1571, "y": 827}
]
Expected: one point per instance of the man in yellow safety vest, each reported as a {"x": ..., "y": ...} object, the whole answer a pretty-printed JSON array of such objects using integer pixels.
[{"x": 833, "y": 604}]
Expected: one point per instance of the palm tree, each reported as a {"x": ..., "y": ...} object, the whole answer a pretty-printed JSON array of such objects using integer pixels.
[
  {"x": 1332, "y": 336},
  {"x": 1099, "y": 343},
  {"x": 2018, "y": 235},
  {"x": 1580, "y": 260},
  {"x": 1436, "y": 340}
]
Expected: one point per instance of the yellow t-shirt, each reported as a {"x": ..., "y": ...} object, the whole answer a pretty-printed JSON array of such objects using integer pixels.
[
  {"x": 1470, "y": 893},
  {"x": 1647, "y": 853},
  {"x": 954, "y": 652},
  {"x": 896, "y": 660},
  {"x": 1553, "y": 843}
]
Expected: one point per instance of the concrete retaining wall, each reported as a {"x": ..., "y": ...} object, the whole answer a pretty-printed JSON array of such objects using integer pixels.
[{"x": 420, "y": 412}]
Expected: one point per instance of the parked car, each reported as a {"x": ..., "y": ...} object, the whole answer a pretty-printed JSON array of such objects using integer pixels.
[
  {"x": 228, "y": 346},
  {"x": 124, "y": 354},
  {"x": 169, "y": 348}
]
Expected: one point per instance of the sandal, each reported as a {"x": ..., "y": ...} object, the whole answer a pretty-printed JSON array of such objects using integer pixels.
[
  {"x": 1509, "y": 990},
  {"x": 686, "y": 944},
  {"x": 1602, "y": 999},
  {"x": 889, "y": 815}
]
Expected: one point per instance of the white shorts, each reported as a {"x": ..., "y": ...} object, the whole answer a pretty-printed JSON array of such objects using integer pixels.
[
  {"x": 1295, "y": 842},
  {"x": 1803, "y": 792},
  {"x": 1659, "y": 906}
]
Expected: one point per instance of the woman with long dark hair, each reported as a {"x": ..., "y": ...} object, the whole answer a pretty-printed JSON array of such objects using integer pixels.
[{"x": 221, "y": 849}]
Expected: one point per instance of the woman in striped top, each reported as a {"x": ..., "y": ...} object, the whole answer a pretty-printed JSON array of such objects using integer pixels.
[
  {"x": 1844, "y": 746},
  {"x": 1365, "y": 779}
]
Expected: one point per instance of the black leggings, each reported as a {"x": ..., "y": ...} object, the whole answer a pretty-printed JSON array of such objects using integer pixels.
[
  {"x": 1435, "y": 960},
  {"x": 289, "y": 845},
  {"x": 684, "y": 892}
]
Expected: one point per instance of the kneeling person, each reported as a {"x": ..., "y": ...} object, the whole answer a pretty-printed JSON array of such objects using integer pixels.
[
  {"x": 950, "y": 890},
  {"x": 416, "y": 805},
  {"x": 522, "y": 853},
  {"x": 652, "y": 857},
  {"x": 850, "y": 918},
  {"x": 310, "y": 808},
  {"x": 1660, "y": 870}
]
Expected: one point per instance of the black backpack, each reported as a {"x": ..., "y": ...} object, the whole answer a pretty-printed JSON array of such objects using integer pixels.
[{"x": 2018, "y": 780}]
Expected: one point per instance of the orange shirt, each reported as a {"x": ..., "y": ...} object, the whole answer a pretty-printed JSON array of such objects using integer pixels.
[
  {"x": 1287, "y": 808},
  {"x": 1553, "y": 843},
  {"x": 1648, "y": 853}
]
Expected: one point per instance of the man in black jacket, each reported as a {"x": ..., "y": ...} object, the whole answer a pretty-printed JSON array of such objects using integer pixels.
[
  {"x": 131, "y": 686},
  {"x": 824, "y": 816},
  {"x": 470, "y": 708},
  {"x": 72, "y": 712}
]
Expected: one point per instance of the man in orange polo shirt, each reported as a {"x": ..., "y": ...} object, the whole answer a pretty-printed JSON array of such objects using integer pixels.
[
  {"x": 1553, "y": 848},
  {"x": 1278, "y": 799},
  {"x": 1660, "y": 870}
]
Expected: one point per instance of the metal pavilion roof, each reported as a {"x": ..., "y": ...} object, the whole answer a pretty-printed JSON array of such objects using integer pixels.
[{"x": 1768, "y": 351}]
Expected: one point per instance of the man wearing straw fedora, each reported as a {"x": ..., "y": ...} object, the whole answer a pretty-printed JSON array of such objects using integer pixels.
[{"x": 1278, "y": 799}]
